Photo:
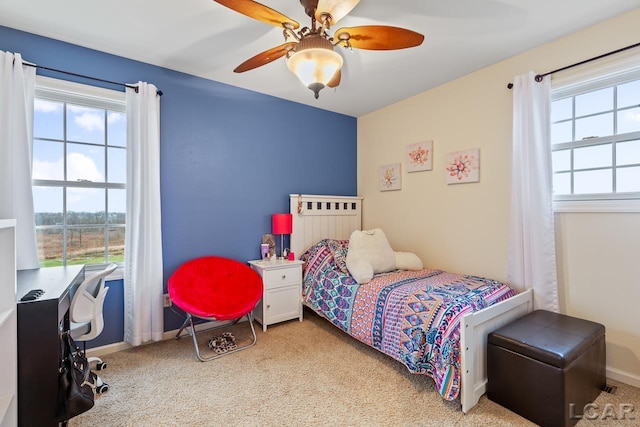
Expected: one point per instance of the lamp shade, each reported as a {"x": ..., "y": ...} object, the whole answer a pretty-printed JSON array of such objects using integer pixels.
[
  {"x": 315, "y": 65},
  {"x": 337, "y": 9},
  {"x": 281, "y": 223},
  {"x": 314, "y": 62}
]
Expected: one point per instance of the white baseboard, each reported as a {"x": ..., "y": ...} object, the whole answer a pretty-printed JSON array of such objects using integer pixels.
[
  {"x": 168, "y": 335},
  {"x": 623, "y": 377},
  {"x": 108, "y": 349}
]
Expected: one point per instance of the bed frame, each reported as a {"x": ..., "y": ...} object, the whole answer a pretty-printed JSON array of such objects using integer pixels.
[{"x": 336, "y": 217}]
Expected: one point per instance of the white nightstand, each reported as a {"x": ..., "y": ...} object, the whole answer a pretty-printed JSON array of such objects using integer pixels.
[{"x": 282, "y": 294}]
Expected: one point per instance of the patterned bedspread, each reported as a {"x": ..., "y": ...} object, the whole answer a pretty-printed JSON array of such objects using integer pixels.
[{"x": 412, "y": 316}]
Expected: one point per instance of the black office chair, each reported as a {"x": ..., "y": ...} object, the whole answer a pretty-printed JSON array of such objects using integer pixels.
[{"x": 86, "y": 317}]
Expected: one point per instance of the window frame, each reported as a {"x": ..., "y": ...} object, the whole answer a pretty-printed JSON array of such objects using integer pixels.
[
  {"x": 601, "y": 74},
  {"x": 56, "y": 90}
]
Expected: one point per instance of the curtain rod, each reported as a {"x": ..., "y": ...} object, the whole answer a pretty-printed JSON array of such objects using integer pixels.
[
  {"x": 539, "y": 77},
  {"x": 158, "y": 92}
]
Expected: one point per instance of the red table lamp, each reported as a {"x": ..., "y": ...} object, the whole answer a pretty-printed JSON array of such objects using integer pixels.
[{"x": 281, "y": 224}]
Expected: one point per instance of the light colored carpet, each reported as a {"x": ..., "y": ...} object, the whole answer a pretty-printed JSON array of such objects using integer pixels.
[{"x": 298, "y": 374}]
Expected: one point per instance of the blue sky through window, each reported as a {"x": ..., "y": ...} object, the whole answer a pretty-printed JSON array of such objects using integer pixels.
[{"x": 86, "y": 150}]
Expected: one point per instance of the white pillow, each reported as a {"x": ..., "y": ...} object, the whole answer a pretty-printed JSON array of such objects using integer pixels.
[
  {"x": 408, "y": 261},
  {"x": 369, "y": 253}
]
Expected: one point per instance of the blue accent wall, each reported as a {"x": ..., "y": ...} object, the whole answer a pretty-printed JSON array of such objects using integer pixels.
[{"x": 229, "y": 157}]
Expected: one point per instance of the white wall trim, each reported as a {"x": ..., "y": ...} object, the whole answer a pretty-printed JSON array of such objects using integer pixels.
[
  {"x": 597, "y": 206},
  {"x": 623, "y": 377},
  {"x": 108, "y": 349}
]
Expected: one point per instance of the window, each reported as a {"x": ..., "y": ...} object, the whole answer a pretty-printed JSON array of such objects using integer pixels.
[
  {"x": 595, "y": 133},
  {"x": 79, "y": 173}
]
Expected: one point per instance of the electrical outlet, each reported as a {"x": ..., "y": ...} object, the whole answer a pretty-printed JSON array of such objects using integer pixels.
[{"x": 167, "y": 300}]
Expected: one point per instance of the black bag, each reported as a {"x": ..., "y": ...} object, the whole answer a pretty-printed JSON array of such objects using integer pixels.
[{"x": 76, "y": 382}]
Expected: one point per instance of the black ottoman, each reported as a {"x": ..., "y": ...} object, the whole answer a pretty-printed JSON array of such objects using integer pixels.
[{"x": 546, "y": 367}]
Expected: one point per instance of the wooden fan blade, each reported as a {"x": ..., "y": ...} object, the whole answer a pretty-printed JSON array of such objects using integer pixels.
[
  {"x": 258, "y": 11},
  {"x": 337, "y": 9},
  {"x": 378, "y": 37},
  {"x": 264, "y": 57},
  {"x": 335, "y": 80}
]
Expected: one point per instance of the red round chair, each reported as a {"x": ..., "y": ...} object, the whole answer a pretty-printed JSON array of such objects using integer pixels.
[{"x": 215, "y": 288}]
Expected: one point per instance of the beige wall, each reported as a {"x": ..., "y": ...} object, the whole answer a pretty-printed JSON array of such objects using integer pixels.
[{"x": 464, "y": 228}]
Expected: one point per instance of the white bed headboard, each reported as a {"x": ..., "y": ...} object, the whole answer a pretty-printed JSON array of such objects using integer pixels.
[{"x": 322, "y": 217}]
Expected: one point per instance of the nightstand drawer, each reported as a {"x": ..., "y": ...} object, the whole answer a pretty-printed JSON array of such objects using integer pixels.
[{"x": 281, "y": 277}]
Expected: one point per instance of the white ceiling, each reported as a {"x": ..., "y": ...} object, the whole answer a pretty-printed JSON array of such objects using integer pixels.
[{"x": 206, "y": 39}]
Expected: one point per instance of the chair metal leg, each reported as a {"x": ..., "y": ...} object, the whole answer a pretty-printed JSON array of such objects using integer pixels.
[
  {"x": 188, "y": 324},
  {"x": 184, "y": 325}
]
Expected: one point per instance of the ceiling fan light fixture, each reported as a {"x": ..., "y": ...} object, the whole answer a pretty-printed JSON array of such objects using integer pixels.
[
  {"x": 315, "y": 65},
  {"x": 309, "y": 51}
]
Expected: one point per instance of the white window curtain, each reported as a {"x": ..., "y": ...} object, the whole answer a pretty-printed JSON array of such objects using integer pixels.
[
  {"x": 531, "y": 260},
  {"x": 143, "y": 239},
  {"x": 17, "y": 89}
]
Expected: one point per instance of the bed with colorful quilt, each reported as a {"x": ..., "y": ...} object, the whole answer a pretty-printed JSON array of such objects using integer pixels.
[{"x": 433, "y": 322}]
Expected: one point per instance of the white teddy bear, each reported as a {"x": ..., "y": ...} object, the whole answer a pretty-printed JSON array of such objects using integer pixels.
[{"x": 370, "y": 253}]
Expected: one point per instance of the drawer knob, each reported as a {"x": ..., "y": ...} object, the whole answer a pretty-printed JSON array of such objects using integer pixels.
[
  {"x": 284, "y": 276},
  {"x": 268, "y": 306}
]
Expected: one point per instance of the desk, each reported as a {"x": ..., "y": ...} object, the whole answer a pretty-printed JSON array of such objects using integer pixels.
[{"x": 40, "y": 323}]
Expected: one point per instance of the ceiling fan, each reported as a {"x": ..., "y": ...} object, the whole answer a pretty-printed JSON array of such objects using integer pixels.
[{"x": 309, "y": 51}]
